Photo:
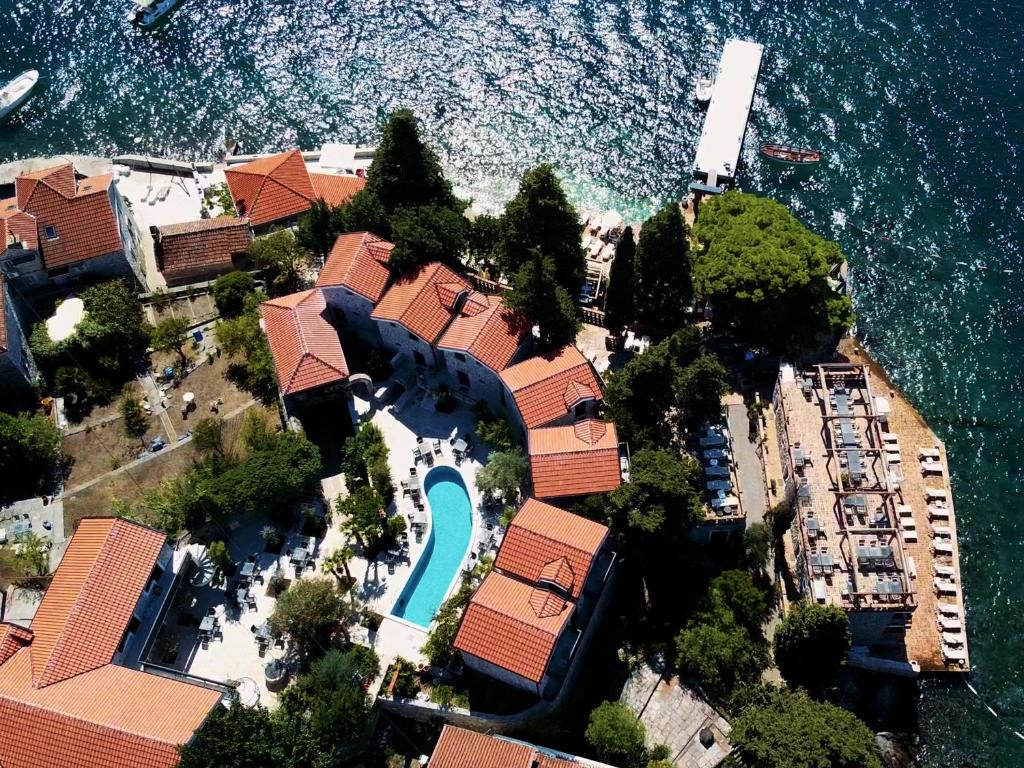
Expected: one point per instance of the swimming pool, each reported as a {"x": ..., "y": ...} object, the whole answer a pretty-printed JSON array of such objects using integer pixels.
[{"x": 451, "y": 525}]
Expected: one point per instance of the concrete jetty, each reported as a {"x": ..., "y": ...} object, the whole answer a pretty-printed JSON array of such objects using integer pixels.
[{"x": 725, "y": 125}]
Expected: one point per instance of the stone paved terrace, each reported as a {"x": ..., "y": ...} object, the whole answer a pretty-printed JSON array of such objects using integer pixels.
[
  {"x": 672, "y": 714},
  {"x": 924, "y": 639},
  {"x": 893, "y": 489}
]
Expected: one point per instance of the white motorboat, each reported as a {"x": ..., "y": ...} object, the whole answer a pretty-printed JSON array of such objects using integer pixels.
[
  {"x": 149, "y": 13},
  {"x": 703, "y": 89},
  {"x": 17, "y": 92}
]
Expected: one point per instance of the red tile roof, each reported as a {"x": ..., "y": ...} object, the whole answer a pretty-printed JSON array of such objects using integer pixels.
[
  {"x": 17, "y": 226},
  {"x": 280, "y": 186},
  {"x": 203, "y": 246},
  {"x": 81, "y": 215},
  {"x": 547, "y": 543},
  {"x": 306, "y": 349},
  {"x": 271, "y": 188},
  {"x": 513, "y": 625},
  {"x": 574, "y": 460},
  {"x": 459, "y": 748},
  {"x": 487, "y": 330},
  {"x": 110, "y": 717},
  {"x": 358, "y": 261},
  {"x": 62, "y": 704},
  {"x": 336, "y": 189},
  {"x": 424, "y": 302},
  {"x": 3, "y": 316},
  {"x": 12, "y": 639},
  {"x": 546, "y": 387},
  {"x": 83, "y": 615}
]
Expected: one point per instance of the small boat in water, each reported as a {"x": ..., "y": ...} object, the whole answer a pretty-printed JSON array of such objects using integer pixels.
[
  {"x": 149, "y": 13},
  {"x": 17, "y": 92},
  {"x": 703, "y": 89},
  {"x": 791, "y": 155}
]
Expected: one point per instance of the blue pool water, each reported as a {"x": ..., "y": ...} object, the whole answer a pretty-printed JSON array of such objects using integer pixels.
[{"x": 450, "y": 529}]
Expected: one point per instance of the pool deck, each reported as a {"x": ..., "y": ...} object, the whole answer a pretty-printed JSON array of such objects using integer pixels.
[{"x": 411, "y": 416}]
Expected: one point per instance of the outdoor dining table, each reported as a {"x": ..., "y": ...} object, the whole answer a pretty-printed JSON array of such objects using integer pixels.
[
  {"x": 414, "y": 482},
  {"x": 242, "y": 595},
  {"x": 461, "y": 445},
  {"x": 207, "y": 624},
  {"x": 262, "y": 632},
  {"x": 248, "y": 568},
  {"x": 299, "y": 555}
]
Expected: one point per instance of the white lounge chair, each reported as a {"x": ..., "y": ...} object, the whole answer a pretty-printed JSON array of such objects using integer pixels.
[
  {"x": 952, "y": 638},
  {"x": 944, "y": 587},
  {"x": 942, "y": 548},
  {"x": 941, "y": 531},
  {"x": 935, "y": 493},
  {"x": 950, "y": 625},
  {"x": 937, "y": 512},
  {"x": 944, "y": 571},
  {"x": 948, "y": 609},
  {"x": 904, "y": 510},
  {"x": 910, "y": 537},
  {"x": 959, "y": 655}
]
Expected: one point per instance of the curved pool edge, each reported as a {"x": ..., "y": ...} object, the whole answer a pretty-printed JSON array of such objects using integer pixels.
[{"x": 467, "y": 481}]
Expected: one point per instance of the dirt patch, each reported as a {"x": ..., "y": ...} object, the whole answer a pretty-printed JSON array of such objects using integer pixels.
[
  {"x": 99, "y": 449},
  {"x": 208, "y": 383},
  {"x": 195, "y": 309}
]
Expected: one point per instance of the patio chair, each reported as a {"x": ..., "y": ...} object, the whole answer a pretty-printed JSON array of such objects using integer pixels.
[
  {"x": 428, "y": 459},
  {"x": 253, "y": 628},
  {"x": 417, "y": 455},
  {"x": 437, "y": 447},
  {"x": 279, "y": 643}
]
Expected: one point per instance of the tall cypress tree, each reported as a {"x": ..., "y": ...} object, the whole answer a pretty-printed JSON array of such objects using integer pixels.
[
  {"x": 537, "y": 295},
  {"x": 664, "y": 283},
  {"x": 541, "y": 216},
  {"x": 406, "y": 172},
  {"x": 620, "y": 303}
]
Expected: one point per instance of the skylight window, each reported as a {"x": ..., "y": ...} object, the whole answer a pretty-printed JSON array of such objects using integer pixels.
[{"x": 51, "y": 233}]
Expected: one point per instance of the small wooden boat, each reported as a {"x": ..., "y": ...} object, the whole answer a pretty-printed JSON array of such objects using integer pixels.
[
  {"x": 17, "y": 92},
  {"x": 791, "y": 155}
]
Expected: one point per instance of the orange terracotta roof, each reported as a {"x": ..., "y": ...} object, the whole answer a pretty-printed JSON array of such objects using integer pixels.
[
  {"x": 574, "y": 460},
  {"x": 17, "y": 226},
  {"x": 487, "y": 330},
  {"x": 459, "y": 748},
  {"x": 271, "y": 188},
  {"x": 358, "y": 261},
  {"x": 547, "y": 543},
  {"x": 306, "y": 349},
  {"x": 84, "y": 613},
  {"x": 513, "y": 625},
  {"x": 335, "y": 189},
  {"x": 539, "y": 385},
  {"x": 201, "y": 245},
  {"x": 424, "y": 302},
  {"x": 3, "y": 316},
  {"x": 80, "y": 215},
  {"x": 109, "y": 717},
  {"x": 12, "y": 639}
]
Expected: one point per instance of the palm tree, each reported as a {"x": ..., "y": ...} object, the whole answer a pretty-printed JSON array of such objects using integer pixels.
[{"x": 338, "y": 561}]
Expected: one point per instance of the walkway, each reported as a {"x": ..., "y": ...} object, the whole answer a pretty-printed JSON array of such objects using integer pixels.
[{"x": 749, "y": 470}]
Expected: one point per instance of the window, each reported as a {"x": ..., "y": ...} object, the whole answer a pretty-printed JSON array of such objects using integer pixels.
[
  {"x": 419, "y": 358},
  {"x": 133, "y": 626},
  {"x": 51, "y": 233},
  {"x": 154, "y": 577},
  {"x": 581, "y": 410},
  {"x": 460, "y": 357},
  {"x": 463, "y": 378},
  {"x": 412, "y": 336}
]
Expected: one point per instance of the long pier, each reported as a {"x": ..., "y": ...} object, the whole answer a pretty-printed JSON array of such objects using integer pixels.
[{"x": 725, "y": 124}]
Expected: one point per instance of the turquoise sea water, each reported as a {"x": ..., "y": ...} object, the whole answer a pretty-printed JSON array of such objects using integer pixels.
[
  {"x": 451, "y": 526},
  {"x": 917, "y": 107}
]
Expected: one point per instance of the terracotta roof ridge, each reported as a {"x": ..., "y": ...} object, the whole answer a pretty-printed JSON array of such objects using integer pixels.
[{"x": 308, "y": 356}]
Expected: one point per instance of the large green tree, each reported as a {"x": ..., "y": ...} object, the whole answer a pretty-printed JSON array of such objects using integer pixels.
[
  {"x": 319, "y": 227},
  {"x": 640, "y": 395},
  {"x": 541, "y": 217},
  {"x": 505, "y": 474},
  {"x": 171, "y": 335},
  {"x": 308, "y": 613},
  {"x": 811, "y": 644},
  {"x": 406, "y": 172},
  {"x": 268, "y": 480},
  {"x": 620, "y": 301},
  {"x": 700, "y": 387},
  {"x": 662, "y": 498},
  {"x": 283, "y": 261},
  {"x": 234, "y": 737},
  {"x": 767, "y": 275},
  {"x": 427, "y": 233},
  {"x": 29, "y": 456},
  {"x": 617, "y": 736},
  {"x": 664, "y": 283},
  {"x": 720, "y": 655},
  {"x": 537, "y": 295},
  {"x": 362, "y": 514},
  {"x": 735, "y": 591},
  {"x": 230, "y": 291},
  {"x": 791, "y": 730}
]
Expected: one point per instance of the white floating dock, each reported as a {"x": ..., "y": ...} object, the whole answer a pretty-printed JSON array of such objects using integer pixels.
[{"x": 726, "y": 121}]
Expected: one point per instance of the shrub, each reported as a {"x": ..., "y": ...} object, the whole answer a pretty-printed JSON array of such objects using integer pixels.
[
  {"x": 230, "y": 292},
  {"x": 617, "y": 736}
]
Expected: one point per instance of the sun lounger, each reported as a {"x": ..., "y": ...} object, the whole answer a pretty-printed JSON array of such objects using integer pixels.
[
  {"x": 911, "y": 567},
  {"x": 934, "y": 493},
  {"x": 932, "y": 453},
  {"x": 958, "y": 655},
  {"x": 941, "y": 531},
  {"x": 947, "y": 624},
  {"x": 910, "y": 537},
  {"x": 949, "y": 610},
  {"x": 932, "y": 467},
  {"x": 890, "y": 438},
  {"x": 904, "y": 510},
  {"x": 944, "y": 571},
  {"x": 942, "y": 548},
  {"x": 952, "y": 639},
  {"x": 944, "y": 587},
  {"x": 907, "y": 523},
  {"x": 936, "y": 512}
]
